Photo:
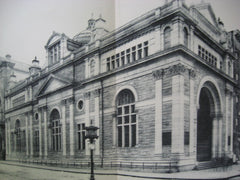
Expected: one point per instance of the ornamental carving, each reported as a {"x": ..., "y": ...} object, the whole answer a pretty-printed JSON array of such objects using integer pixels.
[
  {"x": 158, "y": 74},
  {"x": 173, "y": 70},
  {"x": 97, "y": 92},
  {"x": 87, "y": 95}
]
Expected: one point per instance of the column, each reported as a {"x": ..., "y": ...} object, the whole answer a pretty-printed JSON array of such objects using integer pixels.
[
  {"x": 6, "y": 137},
  {"x": 158, "y": 75},
  {"x": 31, "y": 132},
  {"x": 97, "y": 110},
  {"x": 40, "y": 131},
  {"x": 45, "y": 131},
  {"x": 193, "y": 115},
  {"x": 71, "y": 124},
  {"x": 231, "y": 124},
  {"x": 26, "y": 124},
  {"x": 178, "y": 114},
  {"x": 192, "y": 38},
  {"x": 63, "y": 121},
  {"x": 220, "y": 135},
  {"x": 9, "y": 137},
  {"x": 87, "y": 118},
  {"x": 214, "y": 137}
]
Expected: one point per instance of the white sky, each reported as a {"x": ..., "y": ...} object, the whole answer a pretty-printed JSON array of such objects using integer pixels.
[{"x": 26, "y": 25}]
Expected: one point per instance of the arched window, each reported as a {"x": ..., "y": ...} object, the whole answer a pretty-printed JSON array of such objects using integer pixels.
[
  {"x": 126, "y": 119},
  {"x": 185, "y": 36},
  {"x": 56, "y": 130},
  {"x": 92, "y": 68},
  {"x": 167, "y": 37},
  {"x": 18, "y": 135}
]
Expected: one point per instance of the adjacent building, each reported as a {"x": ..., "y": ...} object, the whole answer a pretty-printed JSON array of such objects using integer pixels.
[
  {"x": 11, "y": 71},
  {"x": 160, "y": 89}
]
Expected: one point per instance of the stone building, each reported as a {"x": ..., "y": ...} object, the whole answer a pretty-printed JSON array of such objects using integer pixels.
[
  {"x": 160, "y": 88},
  {"x": 11, "y": 71}
]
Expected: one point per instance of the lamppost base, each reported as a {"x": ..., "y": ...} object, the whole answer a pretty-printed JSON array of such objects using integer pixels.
[{"x": 92, "y": 178}]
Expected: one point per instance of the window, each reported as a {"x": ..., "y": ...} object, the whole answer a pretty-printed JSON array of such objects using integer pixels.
[
  {"x": 208, "y": 57},
  {"x": 36, "y": 116},
  {"x": 134, "y": 53},
  {"x": 140, "y": 51},
  {"x": 108, "y": 64},
  {"x": 80, "y": 105},
  {"x": 126, "y": 119},
  {"x": 113, "y": 62},
  {"x": 36, "y": 141},
  {"x": 123, "y": 57},
  {"x": 81, "y": 136},
  {"x": 92, "y": 68},
  {"x": 54, "y": 53},
  {"x": 145, "y": 48},
  {"x": 128, "y": 55},
  {"x": 56, "y": 130},
  {"x": 117, "y": 60},
  {"x": 185, "y": 37},
  {"x": 166, "y": 138},
  {"x": 167, "y": 37},
  {"x": 18, "y": 136}
]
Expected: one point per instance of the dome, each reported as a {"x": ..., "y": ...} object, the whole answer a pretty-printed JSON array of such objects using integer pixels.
[{"x": 83, "y": 37}]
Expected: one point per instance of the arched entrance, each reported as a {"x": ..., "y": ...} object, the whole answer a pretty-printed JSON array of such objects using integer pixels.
[
  {"x": 204, "y": 126},
  {"x": 208, "y": 121}
]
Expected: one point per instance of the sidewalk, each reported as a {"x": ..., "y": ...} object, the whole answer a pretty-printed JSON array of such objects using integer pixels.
[{"x": 214, "y": 173}]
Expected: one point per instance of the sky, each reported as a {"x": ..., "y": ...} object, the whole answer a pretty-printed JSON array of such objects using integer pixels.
[{"x": 26, "y": 25}]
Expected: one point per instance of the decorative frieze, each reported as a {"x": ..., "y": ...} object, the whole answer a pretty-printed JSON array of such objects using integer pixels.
[{"x": 173, "y": 70}]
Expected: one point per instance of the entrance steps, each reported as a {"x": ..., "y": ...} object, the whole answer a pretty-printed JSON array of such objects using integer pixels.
[{"x": 208, "y": 164}]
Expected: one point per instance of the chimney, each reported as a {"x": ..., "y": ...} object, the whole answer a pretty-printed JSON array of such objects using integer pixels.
[
  {"x": 12, "y": 80},
  {"x": 35, "y": 68}
]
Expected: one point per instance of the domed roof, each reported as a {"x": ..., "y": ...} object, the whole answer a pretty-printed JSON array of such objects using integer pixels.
[{"x": 83, "y": 37}]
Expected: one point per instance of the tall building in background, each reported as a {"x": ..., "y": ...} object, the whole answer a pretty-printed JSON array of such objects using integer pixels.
[
  {"x": 11, "y": 71},
  {"x": 160, "y": 88}
]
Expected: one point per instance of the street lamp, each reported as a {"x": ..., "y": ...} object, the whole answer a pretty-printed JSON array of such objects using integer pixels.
[{"x": 91, "y": 134}]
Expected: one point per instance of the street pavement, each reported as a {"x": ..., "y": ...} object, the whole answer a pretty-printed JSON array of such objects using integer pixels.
[{"x": 10, "y": 170}]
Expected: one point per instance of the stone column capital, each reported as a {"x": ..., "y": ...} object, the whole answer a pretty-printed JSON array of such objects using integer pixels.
[
  {"x": 97, "y": 92},
  {"x": 158, "y": 74},
  {"x": 87, "y": 95}
]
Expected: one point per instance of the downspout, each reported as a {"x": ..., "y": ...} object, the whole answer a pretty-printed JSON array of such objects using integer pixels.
[{"x": 102, "y": 147}]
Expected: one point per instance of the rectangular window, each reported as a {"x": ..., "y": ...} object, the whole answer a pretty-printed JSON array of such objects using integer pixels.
[
  {"x": 186, "y": 138},
  {"x": 145, "y": 48},
  {"x": 36, "y": 141},
  {"x": 134, "y": 53},
  {"x": 126, "y": 135},
  {"x": 81, "y": 136},
  {"x": 108, "y": 64},
  {"x": 139, "y": 51},
  {"x": 113, "y": 62},
  {"x": 128, "y": 55},
  {"x": 166, "y": 138},
  {"x": 134, "y": 135},
  {"x": 117, "y": 60},
  {"x": 119, "y": 136}
]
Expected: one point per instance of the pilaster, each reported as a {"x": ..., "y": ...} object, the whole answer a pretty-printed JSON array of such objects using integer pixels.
[
  {"x": 40, "y": 130},
  {"x": 178, "y": 114},
  {"x": 158, "y": 75},
  {"x": 87, "y": 117},
  {"x": 71, "y": 124},
  {"x": 30, "y": 115},
  {"x": 45, "y": 131},
  {"x": 26, "y": 125},
  {"x": 63, "y": 120},
  {"x": 193, "y": 114},
  {"x": 97, "y": 111}
]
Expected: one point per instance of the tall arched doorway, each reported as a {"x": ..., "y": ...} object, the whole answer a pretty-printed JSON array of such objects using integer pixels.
[{"x": 204, "y": 126}]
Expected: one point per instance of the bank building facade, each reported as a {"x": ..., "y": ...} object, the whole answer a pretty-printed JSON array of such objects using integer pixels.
[{"x": 160, "y": 89}]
